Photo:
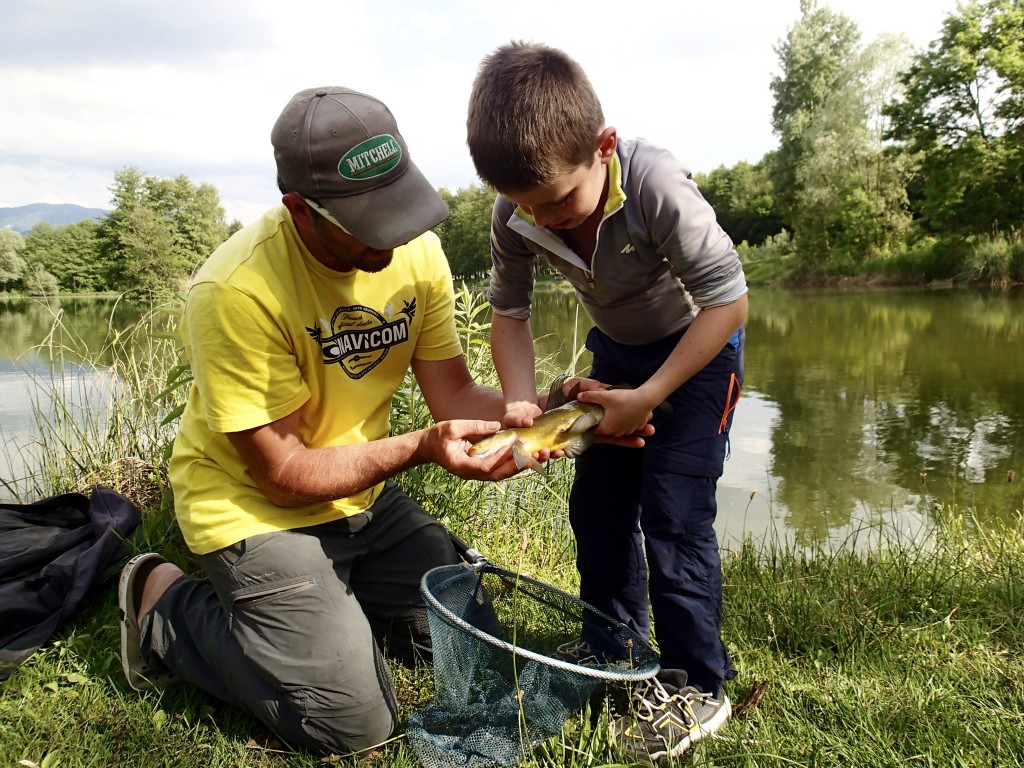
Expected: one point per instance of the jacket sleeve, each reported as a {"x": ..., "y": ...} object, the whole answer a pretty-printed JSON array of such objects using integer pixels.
[
  {"x": 686, "y": 232},
  {"x": 512, "y": 265}
]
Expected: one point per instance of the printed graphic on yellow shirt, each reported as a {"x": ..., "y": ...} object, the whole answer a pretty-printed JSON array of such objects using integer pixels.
[{"x": 358, "y": 338}]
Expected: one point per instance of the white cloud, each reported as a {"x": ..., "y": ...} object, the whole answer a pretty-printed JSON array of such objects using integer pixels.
[{"x": 194, "y": 87}]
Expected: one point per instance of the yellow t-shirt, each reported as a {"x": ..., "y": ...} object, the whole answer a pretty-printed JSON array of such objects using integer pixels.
[{"x": 268, "y": 330}]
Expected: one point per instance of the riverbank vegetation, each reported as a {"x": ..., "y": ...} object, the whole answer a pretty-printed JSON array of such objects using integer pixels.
[
  {"x": 889, "y": 649},
  {"x": 893, "y": 165}
]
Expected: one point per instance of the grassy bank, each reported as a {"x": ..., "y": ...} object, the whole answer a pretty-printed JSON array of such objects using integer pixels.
[
  {"x": 898, "y": 652},
  {"x": 995, "y": 261}
]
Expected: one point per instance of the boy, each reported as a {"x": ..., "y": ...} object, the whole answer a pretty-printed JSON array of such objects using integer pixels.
[{"x": 624, "y": 222}]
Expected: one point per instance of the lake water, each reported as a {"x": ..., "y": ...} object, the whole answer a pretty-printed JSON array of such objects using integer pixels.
[
  {"x": 859, "y": 409},
  {"x": 862, "y": 409}
]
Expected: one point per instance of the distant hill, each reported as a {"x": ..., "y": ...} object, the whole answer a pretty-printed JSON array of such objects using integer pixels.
[{"x": 24, "y": 217}]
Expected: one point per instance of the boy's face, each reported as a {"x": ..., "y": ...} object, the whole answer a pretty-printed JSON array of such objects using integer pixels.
[{"x": 569, "y": 200}]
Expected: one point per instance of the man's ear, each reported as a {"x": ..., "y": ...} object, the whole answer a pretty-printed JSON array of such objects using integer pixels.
[
  {"x": 606, "y": 142},
  {"x": 297, "y": 207}
]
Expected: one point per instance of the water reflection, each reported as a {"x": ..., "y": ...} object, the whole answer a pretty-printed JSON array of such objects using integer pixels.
[
  {"x": 54, "y": 378},
  {"x": 861, "y": 408},
  {"x": 41, "y": 331}
]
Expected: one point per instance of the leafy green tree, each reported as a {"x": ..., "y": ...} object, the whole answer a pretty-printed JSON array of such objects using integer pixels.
[
  {"x": 69, "y": 253},
  {"x": 815, "y": 59},
  {"x": 841, "y": 194},
  {"x": 889, "y": 171},
  {"x": 819, "y": 117},
  {"x": 194, "y": 214},
  {"x": 744, "y": 200},
  {"x": 39, "y": 282},
  {"x": 148, "y": 240},
  {"x": 12, "y": 265},
  {"x": 158, "y": 231},
  {"x": 466, "y": 234},
  {"x": 962, "y": 117}
]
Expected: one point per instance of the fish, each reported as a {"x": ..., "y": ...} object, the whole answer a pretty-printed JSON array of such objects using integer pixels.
[{"x": 567, "y": 426}]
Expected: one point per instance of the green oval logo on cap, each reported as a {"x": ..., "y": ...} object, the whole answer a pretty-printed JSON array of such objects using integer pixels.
[{"x": 371, "y": 158}]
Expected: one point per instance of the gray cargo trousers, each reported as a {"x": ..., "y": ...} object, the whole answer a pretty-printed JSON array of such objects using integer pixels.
[{"x": 289, "y": 625}]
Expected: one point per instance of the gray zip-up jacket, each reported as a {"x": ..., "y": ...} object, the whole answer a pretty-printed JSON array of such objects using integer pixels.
[{"x": 660, "y": 253}]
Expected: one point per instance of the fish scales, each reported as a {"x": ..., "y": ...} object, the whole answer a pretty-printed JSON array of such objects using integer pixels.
[{"x": 567, "y": 427}]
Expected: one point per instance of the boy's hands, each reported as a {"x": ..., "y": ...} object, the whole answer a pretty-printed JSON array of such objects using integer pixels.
[
  {"x": 627, "y": 414},
  {"x": 521, "y": 414},
  {"x": 628, "y": 418}
]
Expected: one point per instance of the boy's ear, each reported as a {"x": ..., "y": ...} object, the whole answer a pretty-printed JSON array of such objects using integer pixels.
[{"x": 606, "y": 141}]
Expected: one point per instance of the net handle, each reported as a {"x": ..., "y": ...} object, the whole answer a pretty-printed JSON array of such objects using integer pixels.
[{"x": 467, "y": 553}]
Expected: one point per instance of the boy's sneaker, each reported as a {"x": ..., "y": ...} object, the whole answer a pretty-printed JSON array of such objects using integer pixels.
[{"x": 668, "y": 717}]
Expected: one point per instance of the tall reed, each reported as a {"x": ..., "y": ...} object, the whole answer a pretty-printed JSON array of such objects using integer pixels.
[{"x": 99, "y": 413}]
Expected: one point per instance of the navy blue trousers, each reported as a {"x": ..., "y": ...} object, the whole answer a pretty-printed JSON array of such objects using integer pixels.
[{"x": 643, "y": 519}]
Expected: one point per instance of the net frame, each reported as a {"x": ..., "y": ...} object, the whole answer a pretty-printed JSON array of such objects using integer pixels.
[
  {"x": 495, "y": 700},
  {"x": 604, "y": 673}
]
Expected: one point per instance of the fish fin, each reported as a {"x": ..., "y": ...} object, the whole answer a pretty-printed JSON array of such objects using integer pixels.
[
  {"x": 584, "y": 422},
  {"x": 525, "y": 459},
  {"x": 556, "y": 397},
  {"x": 578, "y": 445},
  {"x": 521, "y": 455}
]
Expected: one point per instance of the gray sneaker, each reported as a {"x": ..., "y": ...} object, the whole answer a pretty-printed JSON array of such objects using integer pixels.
[{"x": 667, "y": 717}]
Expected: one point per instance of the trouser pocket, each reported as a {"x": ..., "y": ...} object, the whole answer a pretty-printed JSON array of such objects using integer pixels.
[{"x": 732, "y": 397}]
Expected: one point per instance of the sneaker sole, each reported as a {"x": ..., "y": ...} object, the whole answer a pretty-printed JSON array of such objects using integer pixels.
[{"x": 711, "y": 726}]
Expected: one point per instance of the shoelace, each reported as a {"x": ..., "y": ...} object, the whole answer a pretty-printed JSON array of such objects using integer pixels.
[{"x": 653, "y": 700}]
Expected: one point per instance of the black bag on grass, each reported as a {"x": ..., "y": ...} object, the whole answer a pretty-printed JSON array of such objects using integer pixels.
[{"x": 51, "y": 553}]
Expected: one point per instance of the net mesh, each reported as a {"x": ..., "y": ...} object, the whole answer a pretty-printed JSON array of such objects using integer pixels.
[{"x": 499, "y": 690}]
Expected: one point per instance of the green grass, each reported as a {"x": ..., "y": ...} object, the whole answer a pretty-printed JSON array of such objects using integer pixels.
[
  {"x": 995, "y": 261},
  {"x": 894, "y": 652}
]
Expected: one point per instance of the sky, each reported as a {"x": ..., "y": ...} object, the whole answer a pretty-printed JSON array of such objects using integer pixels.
[{"x": 193, "y": 87}]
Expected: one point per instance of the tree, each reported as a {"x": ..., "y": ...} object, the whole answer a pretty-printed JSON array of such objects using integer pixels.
[
  {"x": 69, "y": 253},
  {"x": 158, "y": 231},
  {"x": 466, "y": 234},
  {"x": 194, "y": 214},
  {"x": 962, "y": 117},
  {"x": 837, "y": 188},
  {"x": 39, "y": 282},
  {"x": 152, "y": 264},
  {"x": 12, "y": 265},
  {"x": 744, "y": 200},
  {"x": 815, "y": 60},
  {"x": 819, "y": 117}
]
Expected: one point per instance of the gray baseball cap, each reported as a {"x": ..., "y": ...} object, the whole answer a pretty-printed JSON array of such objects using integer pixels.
[{"x": 342, "y": 149}]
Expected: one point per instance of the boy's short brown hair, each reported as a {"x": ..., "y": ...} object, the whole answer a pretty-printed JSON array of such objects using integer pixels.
[{"x": 533, "y": 116}]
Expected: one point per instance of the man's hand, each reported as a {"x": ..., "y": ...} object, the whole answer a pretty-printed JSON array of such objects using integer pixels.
[{"x": 447, "y": 444}]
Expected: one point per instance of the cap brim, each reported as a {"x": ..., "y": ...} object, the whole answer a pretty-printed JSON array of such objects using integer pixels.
[{"x": 391, "y": 215}]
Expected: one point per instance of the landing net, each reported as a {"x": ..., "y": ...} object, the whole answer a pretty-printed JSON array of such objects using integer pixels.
[{"x": 500, "y": 688}]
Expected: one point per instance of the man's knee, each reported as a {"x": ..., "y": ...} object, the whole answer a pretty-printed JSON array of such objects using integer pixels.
[
  {"x": 352, "y": 716},
  {"x": 347, "y": 728}
]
